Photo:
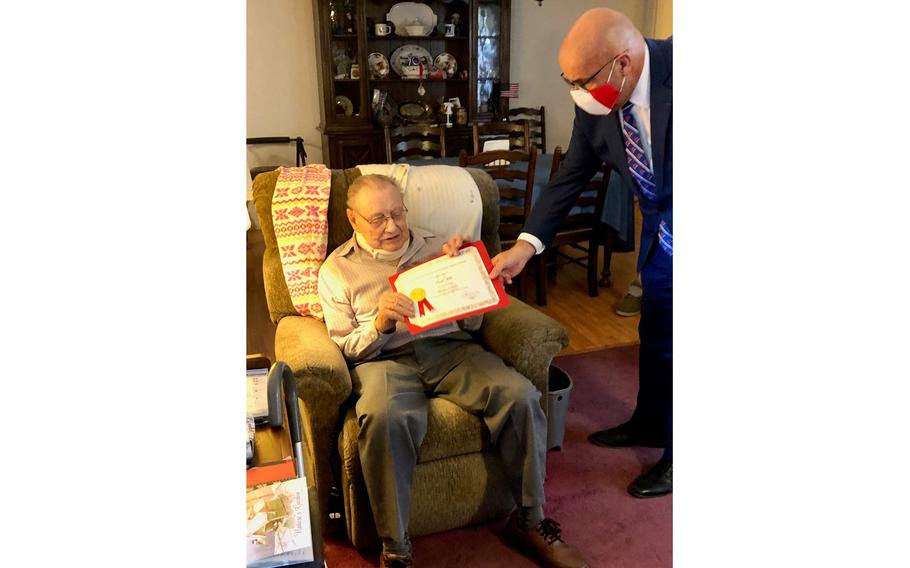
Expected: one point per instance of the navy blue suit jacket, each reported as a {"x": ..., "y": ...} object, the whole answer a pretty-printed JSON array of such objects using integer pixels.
[{"x": 597, "y": 139}]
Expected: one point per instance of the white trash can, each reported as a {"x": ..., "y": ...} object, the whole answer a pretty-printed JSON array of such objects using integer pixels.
[{"x": 560, "y": 385}]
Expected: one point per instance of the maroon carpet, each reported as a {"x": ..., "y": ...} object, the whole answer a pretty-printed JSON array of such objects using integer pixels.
[{"x": 586, "y": 487}]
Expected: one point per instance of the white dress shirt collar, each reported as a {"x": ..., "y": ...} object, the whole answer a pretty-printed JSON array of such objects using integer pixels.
[{"x": 641, "y": 96}]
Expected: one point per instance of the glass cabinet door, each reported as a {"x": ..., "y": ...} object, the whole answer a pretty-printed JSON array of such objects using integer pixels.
[
  {"x": 489, "y": 55},
  {"x": 346, "y": 66}
]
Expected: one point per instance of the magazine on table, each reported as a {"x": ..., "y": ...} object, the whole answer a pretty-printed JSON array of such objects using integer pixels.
[{"x": 278, "y": 517}]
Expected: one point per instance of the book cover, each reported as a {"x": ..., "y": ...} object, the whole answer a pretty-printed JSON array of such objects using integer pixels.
[{"x": 278, "y": 517}]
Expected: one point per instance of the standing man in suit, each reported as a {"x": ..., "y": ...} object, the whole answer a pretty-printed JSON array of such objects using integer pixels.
[{"x": 622, "y": 87}]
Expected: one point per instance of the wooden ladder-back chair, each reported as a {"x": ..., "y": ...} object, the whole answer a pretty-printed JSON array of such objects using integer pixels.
[
  {"x": 537, "y": 123},
  {"x": 518, "y": 134},
  {"x": 516, "y": 191},
  {"x": 415, "y": 141},
  {"x": 581, "y": 225}
]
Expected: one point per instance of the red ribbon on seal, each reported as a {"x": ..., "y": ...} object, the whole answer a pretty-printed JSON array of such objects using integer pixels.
[{"x": 419, "y": 295}]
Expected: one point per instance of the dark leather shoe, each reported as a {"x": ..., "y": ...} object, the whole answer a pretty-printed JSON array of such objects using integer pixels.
[
  {"x": 624, "y": 436},
  {"x": 545, "y": 542},
  {"x": 655, "y": 482},
  {"x": 390, "y": 560}
]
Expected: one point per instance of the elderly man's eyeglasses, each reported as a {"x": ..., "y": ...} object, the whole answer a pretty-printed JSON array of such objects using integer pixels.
[
  {"x": 580, "y": 84},
  {"x": 379, "y": 221}
]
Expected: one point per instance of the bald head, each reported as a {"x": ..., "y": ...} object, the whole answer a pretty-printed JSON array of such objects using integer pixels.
[
  {"x": 598, "y": 36},
  {"x": 361, "y": 189}
]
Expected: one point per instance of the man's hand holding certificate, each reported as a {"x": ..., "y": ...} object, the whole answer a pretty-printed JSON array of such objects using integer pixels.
[{"x": 449, "y": 288}]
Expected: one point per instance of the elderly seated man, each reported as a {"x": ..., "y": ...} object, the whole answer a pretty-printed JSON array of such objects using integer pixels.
[{"x": 394, "y": 373}]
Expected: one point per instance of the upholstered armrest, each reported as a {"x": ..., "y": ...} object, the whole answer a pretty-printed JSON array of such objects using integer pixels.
[
  {"x": 526, "y": 339},
  {"x": 323, "y": 384},
  {"x": 322, "y": 374}
]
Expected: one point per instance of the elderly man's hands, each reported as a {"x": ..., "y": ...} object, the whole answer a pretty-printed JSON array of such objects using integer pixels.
[
  {"x": 393, "y": 307},
  {"x": 452, "y": 245}
]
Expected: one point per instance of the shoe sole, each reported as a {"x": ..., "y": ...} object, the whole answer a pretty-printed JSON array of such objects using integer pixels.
[
  {"x": 628, "y": 314},
  {"x": 649, "y": 495},
  {"x": 597, "y": 442}
]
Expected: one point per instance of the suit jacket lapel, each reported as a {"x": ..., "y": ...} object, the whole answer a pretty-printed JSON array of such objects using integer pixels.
[{"x": 661, "y": 107}]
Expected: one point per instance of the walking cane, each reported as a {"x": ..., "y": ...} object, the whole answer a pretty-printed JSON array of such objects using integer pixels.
[
  {"x": 280, "y": 368},
  {"x": 290, "y": 400}
]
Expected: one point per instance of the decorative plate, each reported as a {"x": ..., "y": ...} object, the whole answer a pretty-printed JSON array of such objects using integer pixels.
[
  {"x": 410, "y": 54},
  {"x": 406, "y": 14},
  {"x": 344, "y": 105},
  {"x": 379, "y": 65},
  {"x": 415, "y": 110},
  {"x": 446, "y": 62}
]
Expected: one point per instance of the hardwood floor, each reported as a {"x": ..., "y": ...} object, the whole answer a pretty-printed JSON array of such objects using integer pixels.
[{"x": 591, "y": 322}]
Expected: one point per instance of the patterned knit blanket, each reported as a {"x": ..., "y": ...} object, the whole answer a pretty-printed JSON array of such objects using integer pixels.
[{"x": 300, "y": 207}]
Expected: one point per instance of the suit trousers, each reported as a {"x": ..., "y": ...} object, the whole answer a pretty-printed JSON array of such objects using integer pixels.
[
  {"x": 654, "y": 407},
  {"x": 392, "y": 405}
]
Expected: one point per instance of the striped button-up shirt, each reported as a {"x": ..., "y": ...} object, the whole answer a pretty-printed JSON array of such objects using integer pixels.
[{"x": 350, "y": 284}]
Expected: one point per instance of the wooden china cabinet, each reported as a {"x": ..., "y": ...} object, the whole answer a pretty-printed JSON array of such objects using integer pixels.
[{"x": 354, "y": 79}]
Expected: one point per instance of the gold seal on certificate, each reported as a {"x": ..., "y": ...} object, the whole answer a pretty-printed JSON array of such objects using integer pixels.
[
  {"x": 419, "y": 295},
  {"x": 446, "y": 288}
]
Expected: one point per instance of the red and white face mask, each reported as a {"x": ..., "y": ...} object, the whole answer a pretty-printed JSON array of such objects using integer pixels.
[{"x": 601, "y": 100}]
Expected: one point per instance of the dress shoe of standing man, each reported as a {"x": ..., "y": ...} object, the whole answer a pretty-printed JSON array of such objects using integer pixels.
[{"x": 622, "y": 87}]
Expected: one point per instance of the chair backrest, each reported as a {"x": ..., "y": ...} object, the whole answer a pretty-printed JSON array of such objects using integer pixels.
[
  {"x": 416, "y": 140},
  {"x": 537, "y": 123},
  {"x": 589, "y": 206},
  {"x": 517, "y": 133},
  {"x": 513, "y": 172},
  {"x": 276, "y": 290}
]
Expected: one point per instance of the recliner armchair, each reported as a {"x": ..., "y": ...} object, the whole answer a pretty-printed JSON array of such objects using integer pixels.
[{"x": 459, "y": 479}]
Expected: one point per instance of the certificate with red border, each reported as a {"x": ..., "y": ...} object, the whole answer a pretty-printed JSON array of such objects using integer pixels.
[{"x": 446, "y": 289}]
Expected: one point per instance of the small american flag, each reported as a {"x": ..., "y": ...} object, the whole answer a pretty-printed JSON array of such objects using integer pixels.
[{"x": 511, "y": 92}]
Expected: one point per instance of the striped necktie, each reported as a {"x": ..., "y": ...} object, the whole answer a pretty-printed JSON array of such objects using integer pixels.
[{"x": 635, "y": 154}]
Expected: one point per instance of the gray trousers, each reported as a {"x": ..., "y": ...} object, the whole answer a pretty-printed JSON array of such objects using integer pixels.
[{"x": 393, "y": 393}]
